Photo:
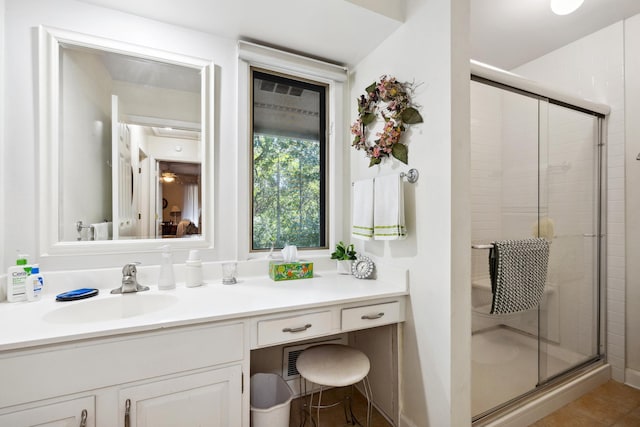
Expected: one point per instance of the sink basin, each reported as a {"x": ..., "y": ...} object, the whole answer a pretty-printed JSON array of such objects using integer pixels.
[{"x": 110, "y": 308}]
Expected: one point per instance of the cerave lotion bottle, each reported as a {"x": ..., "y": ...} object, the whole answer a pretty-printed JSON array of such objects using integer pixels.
[{"x": 16, "y": 279}]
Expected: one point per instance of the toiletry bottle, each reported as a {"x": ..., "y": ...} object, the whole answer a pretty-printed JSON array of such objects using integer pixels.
[
  {"x": 166, "y": 279},
  {"x": 193, "y": 269},
  {"x": 16, "y": 278},
  {"x": 34, "y": 283}
]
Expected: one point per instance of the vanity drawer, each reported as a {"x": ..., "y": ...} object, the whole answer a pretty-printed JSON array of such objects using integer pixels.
[
  {"x": 293, "y": 328},
  {"x": 369, "y": 316}
]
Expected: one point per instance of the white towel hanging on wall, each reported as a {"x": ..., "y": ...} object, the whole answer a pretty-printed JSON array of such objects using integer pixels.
[
  {"x": 102, "y": 230},
  {"x": 362, "y": 227},
  {"x": 388, "y": 211}
]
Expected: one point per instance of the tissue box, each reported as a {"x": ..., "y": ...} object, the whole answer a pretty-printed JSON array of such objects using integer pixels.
[{"x": 280, "y": 270}]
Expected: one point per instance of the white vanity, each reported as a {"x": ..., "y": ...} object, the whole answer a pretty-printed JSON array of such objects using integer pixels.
[{"x": 168, "y": 358}]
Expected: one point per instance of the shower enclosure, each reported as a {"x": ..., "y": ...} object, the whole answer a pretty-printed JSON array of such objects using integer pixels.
[{"x": 537, "y": 171}]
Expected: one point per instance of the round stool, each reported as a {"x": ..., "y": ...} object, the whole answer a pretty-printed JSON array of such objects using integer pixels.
[{"x": 334, "y": 365}]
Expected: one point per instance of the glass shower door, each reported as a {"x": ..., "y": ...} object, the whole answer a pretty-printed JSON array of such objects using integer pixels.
[
  {"x": 569, "y": 217},
  {"x": 504, "y": 191},
  {"x": 535, "y": 168}
]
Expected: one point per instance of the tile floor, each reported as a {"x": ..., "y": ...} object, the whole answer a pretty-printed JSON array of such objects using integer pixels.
[
  {"x": 611, "y": 404},
  {"x": 334, "y": 417}
]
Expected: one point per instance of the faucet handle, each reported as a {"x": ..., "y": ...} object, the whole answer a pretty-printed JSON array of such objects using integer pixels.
[{"x": 130, "y": 269}]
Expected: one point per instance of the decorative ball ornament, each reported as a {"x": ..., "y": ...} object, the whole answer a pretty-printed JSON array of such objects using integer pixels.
[
  {"x": 397, "y": 113},
  {"x": 362, "y": 268}
]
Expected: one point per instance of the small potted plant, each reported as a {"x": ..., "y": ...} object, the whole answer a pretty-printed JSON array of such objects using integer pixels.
[{"x": 345, "y": 255}]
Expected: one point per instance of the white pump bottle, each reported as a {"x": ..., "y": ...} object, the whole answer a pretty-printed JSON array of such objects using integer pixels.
[{"x": 166, "y": 280}]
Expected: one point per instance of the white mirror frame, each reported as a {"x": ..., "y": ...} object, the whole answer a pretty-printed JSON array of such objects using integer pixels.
[{"x": 50, "y": 40}]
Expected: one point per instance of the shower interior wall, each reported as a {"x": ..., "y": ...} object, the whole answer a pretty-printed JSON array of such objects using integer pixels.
[
  {"x": 533, "y": 164},
  {"x": 503, "y": 182},
  {"x": 511, "y": 192},
  {"x": 594, "y": 68}
]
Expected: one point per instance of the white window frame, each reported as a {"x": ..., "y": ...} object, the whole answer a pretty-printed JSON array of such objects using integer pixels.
[{"x": 335, "y": 77}]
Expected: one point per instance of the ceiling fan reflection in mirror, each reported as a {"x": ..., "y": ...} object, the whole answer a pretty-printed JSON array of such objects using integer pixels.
[{"x": 168, "y": 176}]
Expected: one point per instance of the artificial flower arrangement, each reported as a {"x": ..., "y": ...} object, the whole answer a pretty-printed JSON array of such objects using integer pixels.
[{"x": 399, "y": 111}]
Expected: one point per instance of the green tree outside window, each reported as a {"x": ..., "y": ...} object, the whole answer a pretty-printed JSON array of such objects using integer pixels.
[{"x": 286, "y": 192}]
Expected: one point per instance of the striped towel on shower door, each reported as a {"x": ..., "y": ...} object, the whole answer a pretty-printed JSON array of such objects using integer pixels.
[{"x": 518, "y": 270}]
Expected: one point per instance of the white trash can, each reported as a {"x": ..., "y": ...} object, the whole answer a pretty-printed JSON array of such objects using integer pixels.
[{"x": 270, "y": 401}]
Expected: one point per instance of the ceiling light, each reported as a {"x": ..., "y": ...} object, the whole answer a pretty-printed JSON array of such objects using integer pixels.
[{"x": 565, "y": 7}]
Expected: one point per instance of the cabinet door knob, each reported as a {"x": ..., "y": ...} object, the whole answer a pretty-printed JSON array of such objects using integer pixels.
[
  {"x": 127, "y": 410},
  {"x": 372, "y": 316},
  {"x": 83, "y": 418},
  {"x": 299, "y": 329}
]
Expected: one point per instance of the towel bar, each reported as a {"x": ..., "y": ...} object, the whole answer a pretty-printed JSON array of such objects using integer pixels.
[
  {"x": 412, "y": 176},
  {"x": 482, "y": 246},
  {"x": 490, "y": 245}
]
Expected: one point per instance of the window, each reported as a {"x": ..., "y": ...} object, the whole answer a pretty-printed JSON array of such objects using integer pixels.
[{"x": 288, "y": 162}]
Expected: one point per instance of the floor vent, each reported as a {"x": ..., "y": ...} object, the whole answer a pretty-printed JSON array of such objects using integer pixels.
[{"x": 290, "y": 356}]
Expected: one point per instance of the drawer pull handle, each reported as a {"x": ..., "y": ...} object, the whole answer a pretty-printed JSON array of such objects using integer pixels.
[
  {"x": 127, "y": 413},
  {"x": 372, "y": 316},
  {"x": 300, "y": 329},
  {"x": 83, "y": 418}
]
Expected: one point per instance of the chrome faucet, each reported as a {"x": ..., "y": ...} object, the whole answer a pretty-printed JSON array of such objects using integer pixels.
[{"x": 129, "y": 280}]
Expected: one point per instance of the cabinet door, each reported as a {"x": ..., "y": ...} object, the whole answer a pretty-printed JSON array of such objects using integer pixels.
[
  {"x": 61, "y": 414},
  {"x": 206, "y": 399}
]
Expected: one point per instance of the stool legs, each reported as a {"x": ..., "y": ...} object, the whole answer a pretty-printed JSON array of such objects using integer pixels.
[
  {"x": 306, "y": 409},
  {"x": 350, "y": 417},
  {"x": 368, "y": 394}
]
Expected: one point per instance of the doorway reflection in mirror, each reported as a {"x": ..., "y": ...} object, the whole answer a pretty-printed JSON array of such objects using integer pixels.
[{"x": 180, "y": 187}]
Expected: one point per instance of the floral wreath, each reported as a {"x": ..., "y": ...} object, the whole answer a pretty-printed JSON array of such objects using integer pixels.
[{"x": 397, "y": 113}]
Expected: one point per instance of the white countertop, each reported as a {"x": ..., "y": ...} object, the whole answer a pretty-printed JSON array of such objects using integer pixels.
[{"x": 29, "y": 324}]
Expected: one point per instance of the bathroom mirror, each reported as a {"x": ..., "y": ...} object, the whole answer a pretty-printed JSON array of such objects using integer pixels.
[{"x": 125, "y": 145}]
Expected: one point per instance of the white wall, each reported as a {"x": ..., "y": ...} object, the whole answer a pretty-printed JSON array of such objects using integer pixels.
[
  {"x": 158, "y": 103},
  {"x": 86, "y": 136},
  {"x": 486, "y": 172},
  {"x": 632, "y": 174},
  {"x": 431, "y": 48},
  {"x": 164, "y": 148},
  {"x": 3, "y": 174},
  {"x": 22, "y": 18},
  {"x": 593, "y": 68}
]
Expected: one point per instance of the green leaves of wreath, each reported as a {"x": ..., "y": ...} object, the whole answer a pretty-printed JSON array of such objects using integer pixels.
[{"x": 397, "y": 113}]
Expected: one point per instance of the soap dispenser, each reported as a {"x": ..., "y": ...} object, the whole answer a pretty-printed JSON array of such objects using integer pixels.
[
  {"x": 193, "y": 269},
  {"x": 166, "y": 279}
]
